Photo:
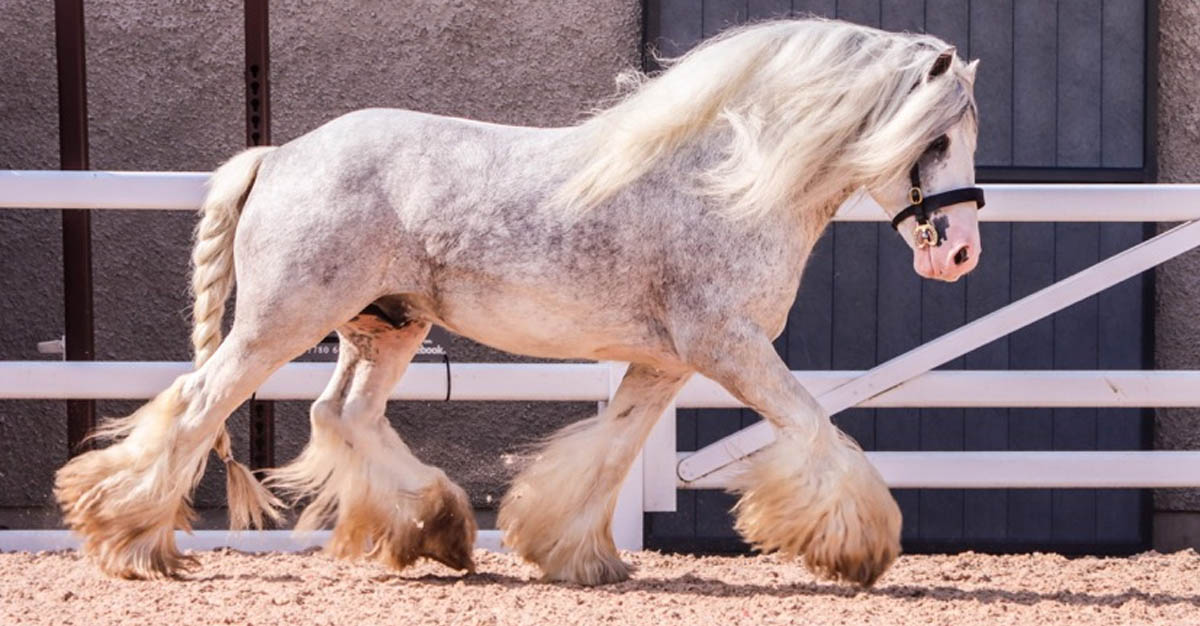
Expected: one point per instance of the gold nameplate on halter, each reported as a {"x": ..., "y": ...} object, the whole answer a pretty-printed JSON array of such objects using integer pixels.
[{"x": 924, "y": 236}]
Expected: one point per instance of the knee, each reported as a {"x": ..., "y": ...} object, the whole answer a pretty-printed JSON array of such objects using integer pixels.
[
  {"x": 359, "y": 413},
  {"x": 325, "y": 413},
  {"x": 344, "y": 416}
]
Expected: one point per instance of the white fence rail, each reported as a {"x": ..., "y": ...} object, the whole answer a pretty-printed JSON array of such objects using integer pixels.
[
  {"x": 903, "y": 382},
  {"x": 1026, "y": 469},
  {"x": 588, "y": 382},
  {"x": 51, "y": 189}
]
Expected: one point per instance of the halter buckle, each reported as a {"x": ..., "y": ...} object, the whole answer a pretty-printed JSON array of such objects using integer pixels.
[
  {"x": 915, "y": 196},
  {"x": 924, "y": 236}
]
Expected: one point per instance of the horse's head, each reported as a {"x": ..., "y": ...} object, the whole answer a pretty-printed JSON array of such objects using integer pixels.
[{"x": 934, "y": 208}]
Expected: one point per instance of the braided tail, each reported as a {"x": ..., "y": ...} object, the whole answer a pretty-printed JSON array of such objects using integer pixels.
[{"x": 212, "y": 282}]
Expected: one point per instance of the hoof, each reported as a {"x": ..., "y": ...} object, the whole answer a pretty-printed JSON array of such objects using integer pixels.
[
  {"x": 436, "y": 523},
  {"x": 576, "y": 554},
  {"x": 824, "y": 503},
  {"x": 127, "y": 500},
  {"x": 395, "y": 517},
  {"x": 590, "y": 571},
  {"x": 562, "y": 525},
  {"x": 126, "y": 538},
  {"x": 448, "y": 526}
]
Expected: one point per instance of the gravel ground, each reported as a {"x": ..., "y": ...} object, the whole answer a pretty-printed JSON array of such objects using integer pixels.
[{"x": 295, "y": 589}]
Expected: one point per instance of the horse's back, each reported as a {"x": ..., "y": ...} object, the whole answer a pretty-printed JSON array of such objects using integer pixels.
[
  {"x": 451, "y": 215},
  {"x": 406, "y": 174},
  {"x": 455, "y": 216},
  {"x": 399, "y": 152}
]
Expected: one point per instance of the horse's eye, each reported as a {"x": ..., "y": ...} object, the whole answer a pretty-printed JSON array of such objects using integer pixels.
[{"x": 939, "y": 146}]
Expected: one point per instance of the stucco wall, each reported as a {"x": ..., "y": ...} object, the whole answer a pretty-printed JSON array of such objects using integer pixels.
[
  {"x": 1177, "y": 324},
  {"x": 32, "y": 434},
  {"x": 165, "y": 93}
]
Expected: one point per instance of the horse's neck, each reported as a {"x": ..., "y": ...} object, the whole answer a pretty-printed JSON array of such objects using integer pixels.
[
  {"x": 814, "y": 210},
  {"x": 803, "y": 221},
  {"x": 814, "y": 213}
]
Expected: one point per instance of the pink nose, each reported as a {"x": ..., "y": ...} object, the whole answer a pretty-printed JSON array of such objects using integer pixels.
[
  {"x": 959, "y": 260},
  {"x": 947, "y": 262}
]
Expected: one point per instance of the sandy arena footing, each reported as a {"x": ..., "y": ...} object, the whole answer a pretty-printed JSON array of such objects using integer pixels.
[{"x": 296, "y": 589}]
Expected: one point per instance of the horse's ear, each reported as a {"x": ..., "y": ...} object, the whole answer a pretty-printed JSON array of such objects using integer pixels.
[
  {"x": 970, "y": 71},
  {"x": 942, "y": 63}
]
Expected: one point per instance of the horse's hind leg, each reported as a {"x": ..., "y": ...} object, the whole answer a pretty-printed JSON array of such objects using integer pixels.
[
  {"x": 359, "y": 474},
  {"x": 127, "y": 499},
  {"x": 558, "y": 512}
]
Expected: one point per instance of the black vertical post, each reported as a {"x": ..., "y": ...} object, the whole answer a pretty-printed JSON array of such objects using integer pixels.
[
  {"x": 258, "y": 84},
  {"x": 258, "y": 133},
  {"x": 76, "y": 223}
]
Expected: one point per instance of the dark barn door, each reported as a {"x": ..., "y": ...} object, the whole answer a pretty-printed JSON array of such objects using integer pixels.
[{"x": 1062, "y": 91}]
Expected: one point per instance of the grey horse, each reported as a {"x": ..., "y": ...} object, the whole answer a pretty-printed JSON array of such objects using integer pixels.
[{"x": 669, "y": 230}]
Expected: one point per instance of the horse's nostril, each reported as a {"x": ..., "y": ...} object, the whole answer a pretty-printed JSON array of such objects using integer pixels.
[{"x": 962, "y": 256}]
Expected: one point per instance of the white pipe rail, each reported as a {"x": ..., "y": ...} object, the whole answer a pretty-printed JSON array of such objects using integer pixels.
[
  {"x": 49, "y": 189},
  {"x": 1016, "y": 470},
  {"x": 997, "y": 388},
  {"x": 590, "y": 382},
  {"x": 245, "y": 541},
  {"x": 1065, "y": 203},
  {"x": 111, "y": 380}
]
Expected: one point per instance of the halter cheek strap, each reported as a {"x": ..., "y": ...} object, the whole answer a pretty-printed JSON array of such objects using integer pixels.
[{"x": 922, "y": 207}]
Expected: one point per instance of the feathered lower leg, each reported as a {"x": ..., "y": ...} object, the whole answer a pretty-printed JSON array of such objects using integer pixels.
[
  {"x": 357, "y": 473},
  {"x": 126, "y": 500},
  {"x": 558, "y": 511}
]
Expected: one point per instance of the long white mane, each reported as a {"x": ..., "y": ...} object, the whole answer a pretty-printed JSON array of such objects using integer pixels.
[{"x": 803, "y": 110}]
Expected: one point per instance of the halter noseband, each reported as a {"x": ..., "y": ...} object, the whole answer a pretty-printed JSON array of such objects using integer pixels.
[{"x": 922, "y": 207}]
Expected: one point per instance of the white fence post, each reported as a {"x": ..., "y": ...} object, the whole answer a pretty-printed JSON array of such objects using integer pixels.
[{"x": 658, "y": 465}]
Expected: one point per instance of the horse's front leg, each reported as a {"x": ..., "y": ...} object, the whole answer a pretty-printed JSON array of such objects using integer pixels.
[
  {"x": 558, "y": 513},
  {"x": 812, "y": 492}
]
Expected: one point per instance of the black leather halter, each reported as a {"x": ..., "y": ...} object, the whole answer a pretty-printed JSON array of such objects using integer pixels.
[{"x": 922, "y": 207}]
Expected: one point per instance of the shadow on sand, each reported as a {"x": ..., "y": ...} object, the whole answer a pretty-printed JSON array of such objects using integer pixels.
[{"x": 690, "y": 584}]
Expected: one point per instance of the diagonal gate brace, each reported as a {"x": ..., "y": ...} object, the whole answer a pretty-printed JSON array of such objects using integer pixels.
[{"x": 954, "y": 344}]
